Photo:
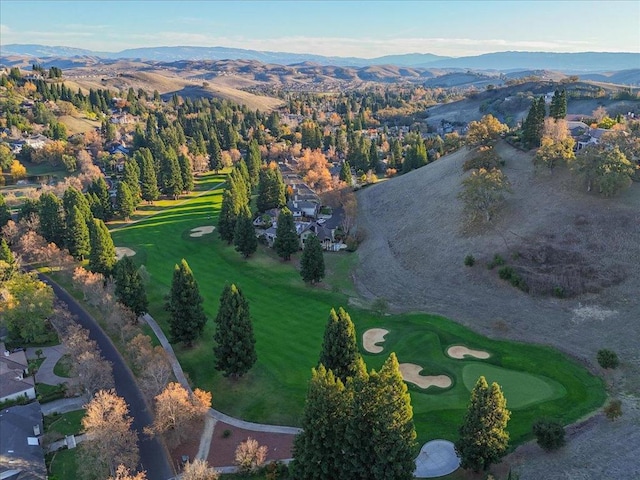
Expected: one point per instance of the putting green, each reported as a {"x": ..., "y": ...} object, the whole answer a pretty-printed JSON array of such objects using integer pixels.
[{"x": 520, "y": 389}]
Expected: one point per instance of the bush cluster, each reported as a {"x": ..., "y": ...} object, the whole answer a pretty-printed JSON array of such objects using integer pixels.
[
  {"x": 469, "y": 260},
  {"x": 550, "y": 434},
  {"x": 496, "y": 262},
  {"x": 510, "y": 275},
  {"x": 608, "y": 358}
]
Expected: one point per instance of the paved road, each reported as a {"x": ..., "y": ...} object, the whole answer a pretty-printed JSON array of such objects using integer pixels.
[{"x": 153, "y": 457}]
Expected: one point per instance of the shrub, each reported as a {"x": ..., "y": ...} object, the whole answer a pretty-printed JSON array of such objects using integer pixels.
[
  {"x": 558, "y": 292},
  {"x": 608, "y": 358},
  {"x": 613, "y": 410},
  {"x": 496, "y": 262},
  {"x": 469, "y": 260},
  {"x": 250, "y": 455},
  {"x": 226, "y": 433},
  {"x": 550, "y": 434},
  {"x": 484, "y": 157},
  {"x": 509, "y": 274},
  {"x": 506, "y": 273}
]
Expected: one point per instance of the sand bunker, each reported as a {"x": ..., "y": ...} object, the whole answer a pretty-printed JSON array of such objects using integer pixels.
[
  {"x": 460, "y": 351},
  {"x": 124, "y": 252},
  {"x": 411, "y": 373},
  {"x": 373, "y": 336},
  {"x": 200, "y": 231}
]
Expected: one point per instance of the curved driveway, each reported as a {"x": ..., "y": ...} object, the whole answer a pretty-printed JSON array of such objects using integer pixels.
[{"x": 153, "y": 456}]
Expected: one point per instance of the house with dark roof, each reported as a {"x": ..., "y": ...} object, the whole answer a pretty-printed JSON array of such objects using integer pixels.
[
  {"x": 21, "y": 454},
  {"x": 14, "y": 380}
]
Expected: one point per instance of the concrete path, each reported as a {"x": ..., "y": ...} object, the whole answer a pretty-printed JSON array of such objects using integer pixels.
[
  {"x": 436, "y": 459},
  {"x": 45, "y": 372},
  {"x": 182, "y": 379},
  {"x": 205, "y": 439},
  {"x": 64, "y": 405},
  {"x": 55, "y": 446}
]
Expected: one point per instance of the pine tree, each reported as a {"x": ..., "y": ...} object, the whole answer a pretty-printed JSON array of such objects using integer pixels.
[
  {"x": 99, "y": 188},
  {"x": 534, "y": 123},
  {"x": 215, "y": 153},
  {"x": 271, "y": 190},
  {"x": 184, "y": 304},
  {"x": 235, "y": 344},
  {"x": 558, "y": 107},
  {"x": 483, "y": 436},
  {"x": 318, "y": 449},
  {"x": 244, "y": 236},
  {"x": 286, "y": 242},
  {"x": 5, "y": 213},
  {"x": 186, "y": 172},
  {"x": 373, "y": 157},
  {"x": 312, "y": 261},
  {"x": 5, "y": 255},
  {"x": 124, "y": 201},
  {"x": 73, "y": 198},
  {"x": 234, "y": 201},
  {"x": 393, "y": 435},
  {"x": 148, "y": 179},
  {"x": 129, "y": 287},
  {"x": 345, "y": 173},
  {"x": 241, "y": 174},
  {"x": 131, "y": 177},
  {"x": 51, "y": 222},
  {"x": 102, "y": 253},
  {"x": 253, "y": 161},
  {"x": 77, "y": 234},
  {"x": 339, "y": 349},
  {"x": 170, "y": 175}
]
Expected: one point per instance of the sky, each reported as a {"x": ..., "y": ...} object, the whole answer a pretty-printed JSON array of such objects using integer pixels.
[{"x": 334, "y": 28}]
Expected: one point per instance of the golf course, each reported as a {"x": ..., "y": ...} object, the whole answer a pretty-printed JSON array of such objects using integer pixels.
[{"x": 289, "y": 318}]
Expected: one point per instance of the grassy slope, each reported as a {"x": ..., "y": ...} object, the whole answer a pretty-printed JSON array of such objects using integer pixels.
[{"x": 289, "y": 320}]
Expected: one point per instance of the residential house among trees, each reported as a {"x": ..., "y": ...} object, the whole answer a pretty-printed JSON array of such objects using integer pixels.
[
  {"x": 14, "y": 380},
  {"x": 21, "y": 455}
]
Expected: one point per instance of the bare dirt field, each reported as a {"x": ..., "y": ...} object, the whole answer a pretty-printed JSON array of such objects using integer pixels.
[{"x": 413, "y": 257}]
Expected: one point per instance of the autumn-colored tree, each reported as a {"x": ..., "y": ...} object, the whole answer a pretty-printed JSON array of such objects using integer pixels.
[
  {"x": 199, "y": 470},
  {"x": 250, "y": 456},
  {"x": 486, "y": 131},
  {"x": 176, "y": 410},
  {"x": 482, "y": 193},
  {"x": 606, "y": 169},
  {"x": 314, "y": 169},
  {"x": 109, "y": 440},
  {"x": 151, "y": 364},
  {"x": 123, "y": 473}
]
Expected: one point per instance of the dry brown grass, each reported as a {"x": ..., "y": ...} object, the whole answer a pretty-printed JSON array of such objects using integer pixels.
[{"x": 413, "y": 256}]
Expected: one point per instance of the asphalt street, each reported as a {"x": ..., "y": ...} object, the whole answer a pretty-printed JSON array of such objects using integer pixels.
[{"x": 153, "y": 456}]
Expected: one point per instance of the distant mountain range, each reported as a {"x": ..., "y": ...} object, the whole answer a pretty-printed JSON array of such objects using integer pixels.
[{"x": 503, "y": 61}]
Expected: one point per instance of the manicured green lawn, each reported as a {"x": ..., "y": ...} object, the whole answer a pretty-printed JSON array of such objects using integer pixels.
[
  {"x": 69, "y": 423},
  {"x": 61, "y": 368},
  {"x": 289, "y": 320},
  {"x": 63, "y": 464}
]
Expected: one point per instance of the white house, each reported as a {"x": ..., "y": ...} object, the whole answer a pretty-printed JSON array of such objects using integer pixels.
[{"x": 14, "y": 379}]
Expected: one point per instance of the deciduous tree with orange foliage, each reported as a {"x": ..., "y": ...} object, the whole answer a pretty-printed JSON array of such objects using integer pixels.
[{"x": 314, "y": 169}]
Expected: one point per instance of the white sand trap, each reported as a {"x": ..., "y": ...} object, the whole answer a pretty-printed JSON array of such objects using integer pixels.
[
  {"x": 371, "y": 337},
  {"x": 460, "y": 351},
  {"x": 411, "y": 373},
  {"x": 124, "y": 252},
  {"x": 200, "y": 231}
]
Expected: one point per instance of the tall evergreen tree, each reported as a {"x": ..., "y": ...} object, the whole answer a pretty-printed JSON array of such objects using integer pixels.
[
  {"x": 558, "y": 107},
  {"x": 170, "y": 175},
  {"x": 148, "y": 178},
  {"x": 271, "y": 189},
  {"x": 234, "y": 200},
  {"x": 345, "y": 173},
  {"x": 244, "y": 236},
  {"x": 129, "y": 287},
  {"x": 393, "y": 435},
  {"x": 131, "y": 177},
  {"x": 78, "y": 241},
  {"x": 373, "y": 157},
  {"x": 318, "y": 450},
  {"x": 51, "y": 221},
  {"x": 124, "y": 201},
  {"x": 102, "y": 253},
  {"x": 73, "y": 198},
  {"x": 483, "y": 436},
  {"x": 186, "y": 172},
  {"x": 184, "y": 304},
  {"x": 99, "y": 188},
  {"x": 339, "y": 349},
  {"x": 312, "y": 261},
  {"x": 286, "y": 242},
  {"x": 235, "y": 344},
  {"x": 241, "y": 174},
  {"x": 215, "y": 153},
  {"x": 5, "y": 213},
  {"x": 534, "y": 123},
  {"x": 253, "y": 160}
]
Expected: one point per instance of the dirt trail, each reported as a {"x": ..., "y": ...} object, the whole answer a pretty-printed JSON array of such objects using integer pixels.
[{"x": 413, "y": 257}]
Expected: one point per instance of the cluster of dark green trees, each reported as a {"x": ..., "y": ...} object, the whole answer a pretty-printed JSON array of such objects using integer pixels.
[
  {"x": 533, "y": 126},
  {"x": 356, "y": 424},
  {"x": 70, "y": 223},
  {"x": 234, "y": 349}
]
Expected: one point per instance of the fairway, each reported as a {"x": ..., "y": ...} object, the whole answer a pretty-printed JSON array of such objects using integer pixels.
[{"x": 289, "y": 319}]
